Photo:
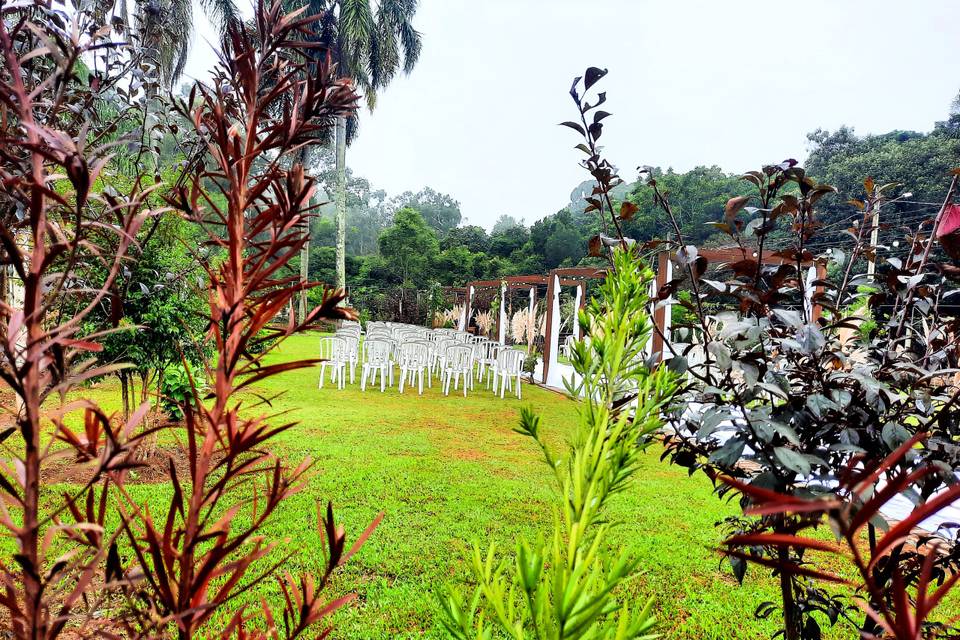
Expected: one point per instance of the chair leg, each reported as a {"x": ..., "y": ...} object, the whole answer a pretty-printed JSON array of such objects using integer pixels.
[
  {"x": 403, "y": 375},
  {"x": 382, "y": 377},
  {"x": 518, "y": 387},
  {"x": 323, "y": 371},
  {"x": 420, "y": 385},
  {"x": 363, "y": 377}
]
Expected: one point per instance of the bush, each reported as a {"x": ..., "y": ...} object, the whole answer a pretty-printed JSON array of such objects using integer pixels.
[{"x": 176, "y": 390}]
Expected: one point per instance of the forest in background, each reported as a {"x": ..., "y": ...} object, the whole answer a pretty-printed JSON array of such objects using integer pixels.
[{"x": 417, "y": 240}]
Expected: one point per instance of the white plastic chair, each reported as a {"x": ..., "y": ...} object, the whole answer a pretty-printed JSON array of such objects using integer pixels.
[
  {"x": 487, "y": 365},
  {"x": 376, "y": 359},
  {"x": 413, "y": 362},
  {"x": 431, "y": 348},
  {"x": 440, "y": 355},
  {"x": 509, "y": 367},
  {"x": 458, "y": 360},
  {"x": 333, "y": 354},
  {"x": 353, "y": 352},
  {"x": 477, "y": 352}
]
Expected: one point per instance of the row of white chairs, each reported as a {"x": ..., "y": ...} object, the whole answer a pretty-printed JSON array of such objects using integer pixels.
[{"x": 457, "y": 358}]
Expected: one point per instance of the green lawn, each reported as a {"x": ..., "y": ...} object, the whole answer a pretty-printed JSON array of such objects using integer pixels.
[{"x": 447, "y": 471}]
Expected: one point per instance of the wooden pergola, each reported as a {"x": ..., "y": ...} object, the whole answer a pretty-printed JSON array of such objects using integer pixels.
[
  {"x": 578, "y": 277},
  {"x": 554, "y": 281}
]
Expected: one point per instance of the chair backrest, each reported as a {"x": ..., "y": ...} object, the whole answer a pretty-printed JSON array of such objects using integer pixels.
[
  {"x": 376, "y": 352},
  {"x": 413, "y": 355},
  {"x": 479, "y": 349},
  {"x": 459, "y": 357},
  {"x": 431, "y": 347},
  {"x": 476, "y": 339},
  {"x": 352, "y": 342},
  {"x": 333, "y": 348},
  {"x": 492, "y": 350},
  {"x": 445, "y": 344},
  {"x": 510, "y": 361}
]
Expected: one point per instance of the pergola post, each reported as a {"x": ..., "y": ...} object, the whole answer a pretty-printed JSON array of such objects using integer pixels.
[
  {"x": 502, "y": 320},
  {"x": 578, "y": 302},
  {"x": 661, "y": 315},
  {"x": 551, "y": 341},
  {"x": 466, "y": 309},
  {"x": 533, "y": 301}
]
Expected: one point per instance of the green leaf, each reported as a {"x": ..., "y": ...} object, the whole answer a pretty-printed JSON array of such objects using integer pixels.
[
  {"x": 792, "y": 460},
  {"x": 729, "y": 453},
  {"x": 819, "y": 405}
]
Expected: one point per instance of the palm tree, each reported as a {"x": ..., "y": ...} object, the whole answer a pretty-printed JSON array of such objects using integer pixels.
[
  {"x": 370, "y": 40},
  {"x": 163, "y": 28}
]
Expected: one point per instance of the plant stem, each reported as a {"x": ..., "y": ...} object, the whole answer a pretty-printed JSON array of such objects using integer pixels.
[{"x": 791, "y": 626}]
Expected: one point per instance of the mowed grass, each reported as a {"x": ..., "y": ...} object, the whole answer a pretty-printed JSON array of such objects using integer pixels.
[{"x": 449, "y": 471}]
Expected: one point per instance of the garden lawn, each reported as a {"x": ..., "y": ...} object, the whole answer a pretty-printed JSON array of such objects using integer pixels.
[{"x": 448, "y": 471}]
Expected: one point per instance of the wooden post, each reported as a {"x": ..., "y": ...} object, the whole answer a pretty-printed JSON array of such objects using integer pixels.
[
  {"x": 660, "y": 315},
  {"x": 465, "y": 318},
  {"x": 502, "y": 319},
  {"x": 578, "y": 302},
  {"x": 551, "y": 339}
]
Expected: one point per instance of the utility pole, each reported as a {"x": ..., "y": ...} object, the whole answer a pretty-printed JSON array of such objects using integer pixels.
[
  {"x": 875, "y": 229},
  {"x": 874, "y": 240}
]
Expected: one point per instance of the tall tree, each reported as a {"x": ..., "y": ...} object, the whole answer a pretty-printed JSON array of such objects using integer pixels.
[
  {"x": 410, "y": 249},
  {"x": 370, "y": 41},
  {"x": 441, "y": 211},
  {"x": 162, "y": 29}
]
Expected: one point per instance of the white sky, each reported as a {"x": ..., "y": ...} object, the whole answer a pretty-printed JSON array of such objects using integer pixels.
[{"x": 736, "y": 83}]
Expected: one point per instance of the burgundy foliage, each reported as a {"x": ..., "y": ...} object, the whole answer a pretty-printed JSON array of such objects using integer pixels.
[
  {"x": 50, "y": 207},
  {"x": 264, "y": 105},
  {"x": 61, "y": 219}
]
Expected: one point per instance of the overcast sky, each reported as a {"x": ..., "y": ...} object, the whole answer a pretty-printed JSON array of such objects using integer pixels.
[{"x": 736, "y": 84}]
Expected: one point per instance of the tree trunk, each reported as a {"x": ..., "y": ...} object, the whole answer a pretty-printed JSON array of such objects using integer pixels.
[
  {"x": 791, "y": 622},
  {"x": 304, "y": 275},
  {"x": 305, "y": 251},
  {"x": 341, "y": 201},
  {"x": 125, "y": 393}
]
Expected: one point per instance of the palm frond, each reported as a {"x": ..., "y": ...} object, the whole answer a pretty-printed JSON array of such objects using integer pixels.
[
  {"x": 222, "y": 13},
  {"x": 384, "y": 58},
  {"x": 412, "y": 43},
  {"x": 356, "y": 22}
]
